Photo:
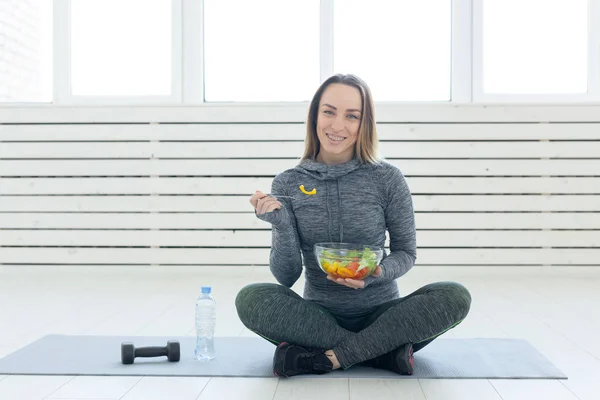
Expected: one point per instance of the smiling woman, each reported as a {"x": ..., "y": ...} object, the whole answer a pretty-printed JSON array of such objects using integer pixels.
[
  {"x": 337, "y": 126},
  {"x": 341, "y": 120},
  {"x": 356, "y": 197}
]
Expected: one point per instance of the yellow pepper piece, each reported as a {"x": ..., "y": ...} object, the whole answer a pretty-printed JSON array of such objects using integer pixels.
[
  {"x": 314, "y": 191},
  {"x": 332, "y": 268},
  {"x": 345, "y": 273}
]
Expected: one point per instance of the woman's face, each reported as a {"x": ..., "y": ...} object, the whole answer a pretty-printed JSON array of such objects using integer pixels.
[{"x": 338, "y": 120}]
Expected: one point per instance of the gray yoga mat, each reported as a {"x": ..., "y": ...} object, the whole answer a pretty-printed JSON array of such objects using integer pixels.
[{"x": 252, "y": 357}]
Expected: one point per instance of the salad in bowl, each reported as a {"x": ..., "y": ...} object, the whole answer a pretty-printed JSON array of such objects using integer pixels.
[{"x": 348, "y": 260}]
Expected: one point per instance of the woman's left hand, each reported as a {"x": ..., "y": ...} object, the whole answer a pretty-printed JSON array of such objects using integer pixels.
[{"x": 354, "y": 283}]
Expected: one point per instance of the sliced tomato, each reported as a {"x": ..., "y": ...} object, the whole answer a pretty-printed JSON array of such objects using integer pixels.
[
  {"x": 362, "y": 273},
  {"x": 353, "y": 266}
]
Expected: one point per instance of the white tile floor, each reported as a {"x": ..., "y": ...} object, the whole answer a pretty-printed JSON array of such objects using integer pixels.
[{"x": 555, "y": 309}]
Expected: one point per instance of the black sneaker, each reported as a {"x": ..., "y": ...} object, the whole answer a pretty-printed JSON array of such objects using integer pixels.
[
  {"x": 290, "y": 360},
  {"x": 400, "y": 360}
]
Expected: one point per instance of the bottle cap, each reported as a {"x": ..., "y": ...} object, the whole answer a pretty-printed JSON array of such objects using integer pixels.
[{"x": 206, "y": 289}]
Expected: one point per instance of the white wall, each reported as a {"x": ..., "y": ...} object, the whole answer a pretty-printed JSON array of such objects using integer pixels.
[{"x": 25, "y": 62}]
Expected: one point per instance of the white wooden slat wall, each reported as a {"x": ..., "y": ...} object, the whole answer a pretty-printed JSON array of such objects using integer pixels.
[{"x": 484, "y": 193}]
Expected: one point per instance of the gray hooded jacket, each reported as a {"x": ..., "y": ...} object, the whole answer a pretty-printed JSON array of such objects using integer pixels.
[{"x": 353, "y": 203}]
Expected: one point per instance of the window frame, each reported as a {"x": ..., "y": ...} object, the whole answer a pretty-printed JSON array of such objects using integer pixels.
[
  {"x": 188, "y": 62},
  {"x": 593, "y": 78},
  {"x": 62, "y": 63}
]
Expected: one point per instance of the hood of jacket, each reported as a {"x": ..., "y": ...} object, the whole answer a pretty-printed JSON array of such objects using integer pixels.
[{"x": 325, "y": 172}]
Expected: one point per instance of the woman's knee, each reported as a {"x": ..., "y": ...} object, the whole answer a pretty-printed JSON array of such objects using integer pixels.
[
  {"x": 249, "y": 299},
  {"x": 461, "y": 297},
  {"x": 455, "y": 295}
]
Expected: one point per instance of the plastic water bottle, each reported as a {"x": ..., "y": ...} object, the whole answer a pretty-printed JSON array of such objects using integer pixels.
[{"x": 206, "y": 319}]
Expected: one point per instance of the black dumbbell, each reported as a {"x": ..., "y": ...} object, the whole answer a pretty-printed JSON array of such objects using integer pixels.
[{"x": 129, "y": 352}]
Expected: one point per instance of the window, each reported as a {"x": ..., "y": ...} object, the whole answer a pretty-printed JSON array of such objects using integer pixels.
[
  {"x": 219, "y": 52},
  {"x": 535, "y": 46},
  {"x": 402, "y": 49},
  {"x": 121, "y": 47},
  {"x": 26, "y": 51},
  {"x": 262, "y": 50}
]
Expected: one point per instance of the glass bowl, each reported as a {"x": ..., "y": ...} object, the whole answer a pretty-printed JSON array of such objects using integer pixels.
[{"x": 348, "y": 260}]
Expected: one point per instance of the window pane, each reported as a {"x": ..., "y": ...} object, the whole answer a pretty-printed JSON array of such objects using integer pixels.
[
  {"x": 262, "y": 50},
  {"x": 535, "y": 46},
  {"x": 121, "y": 47},
  {"x": 26, "y": 51},
  {"x": 402, "y": 49}
]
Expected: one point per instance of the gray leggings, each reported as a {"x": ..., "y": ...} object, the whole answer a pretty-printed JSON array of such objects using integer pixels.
[{"x": 278, "y": 314}]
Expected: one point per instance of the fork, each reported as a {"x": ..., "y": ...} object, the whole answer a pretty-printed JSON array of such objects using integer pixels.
[{"x": 280, "y": 197}]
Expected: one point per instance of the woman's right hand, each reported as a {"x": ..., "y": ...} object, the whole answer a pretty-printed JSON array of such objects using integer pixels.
[{"x": 263, "y": 203}]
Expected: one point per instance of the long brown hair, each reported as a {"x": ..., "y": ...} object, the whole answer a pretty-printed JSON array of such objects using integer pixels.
[{"x": 366, "y": 147}]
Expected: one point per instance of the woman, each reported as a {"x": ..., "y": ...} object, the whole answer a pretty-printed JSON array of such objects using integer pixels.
[{"x": 342, "y": 191}]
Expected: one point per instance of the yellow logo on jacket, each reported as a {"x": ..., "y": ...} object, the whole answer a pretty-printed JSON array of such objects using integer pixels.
[{"x": 312, "y": 192}]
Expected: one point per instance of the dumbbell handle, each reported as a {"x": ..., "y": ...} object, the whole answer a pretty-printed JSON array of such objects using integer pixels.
[{"x": 153, "y": 351}]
